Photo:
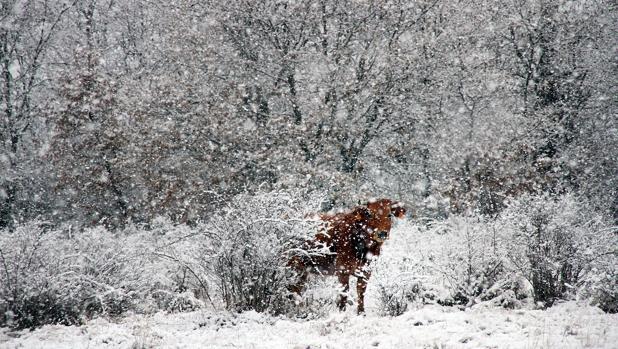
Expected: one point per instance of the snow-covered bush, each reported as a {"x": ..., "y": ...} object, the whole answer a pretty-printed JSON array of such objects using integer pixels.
[
  {"x": 177, "y": 280},
  {"x": 559, "y": 245},
  {"x": 236, "y": 260},
  {"x": 539, "y": 248},
  {"x": 394, "y": 296},
  {"x": 249, "y": 244},
  {"x": 471, "y": 261},
  {"x": 60, "y": 276},
  {"x": 601, "y": 287},
  {"x": 318, "y": 299},
  {"x": 511, "y": 291},
  {"x": 51, "y": 277},
  {"x": 399, "y": 275}
]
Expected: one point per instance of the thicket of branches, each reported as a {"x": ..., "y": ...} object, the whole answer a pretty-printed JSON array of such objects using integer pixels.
[
  {"x": 236, "y": 261},
  {"x": 59, "y": 276},
  {"x": 539, "y": 250},
  {"x": 121, "y": 111}
]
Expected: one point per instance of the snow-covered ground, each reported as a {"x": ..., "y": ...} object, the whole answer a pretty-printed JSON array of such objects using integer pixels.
[
  {"x": 412, "y": 254},
  {"x": 567, "y": 325}
]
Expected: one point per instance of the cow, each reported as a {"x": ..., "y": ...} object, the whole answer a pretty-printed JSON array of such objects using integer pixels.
[{"x": 345, "y": 245}]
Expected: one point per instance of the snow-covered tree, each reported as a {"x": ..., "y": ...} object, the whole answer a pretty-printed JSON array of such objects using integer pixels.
[{"x": 28, "y": 30}]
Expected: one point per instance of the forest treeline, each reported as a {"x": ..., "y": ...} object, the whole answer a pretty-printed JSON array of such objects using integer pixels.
[{"x": 115, "y": 111}]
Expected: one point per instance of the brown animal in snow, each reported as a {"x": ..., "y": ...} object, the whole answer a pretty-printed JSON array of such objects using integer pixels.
[{"x": 346, "y": 244}]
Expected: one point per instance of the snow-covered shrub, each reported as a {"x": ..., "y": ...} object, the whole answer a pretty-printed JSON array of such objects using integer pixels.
[
  {"x": 472, "y": 262},
  {"x": 318, "y": 299},
  {"x": 601, "y": 288},
  {"x": 249, "y": 244},
  {"x": 398, "y": 274},
  {"x": 557, "y": 244},
  {"x": 28, "y": 293},
  {"x": 511, "y": 292},
  {"x": 176, "y": 302},
  {"x": 537, "y": 249},
  {"x": 177, "y": 278},
  {"x": 395, "y": 296},
  {"x": 31, "y": 287},
  {"x": 460, "y": 261},
  {"x": 60, "y": 276}
]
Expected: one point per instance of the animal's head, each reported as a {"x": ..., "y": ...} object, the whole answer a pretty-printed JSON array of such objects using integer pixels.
[
  {"x": 380, "y": 215},
  {"x": 361, "y": 215}
]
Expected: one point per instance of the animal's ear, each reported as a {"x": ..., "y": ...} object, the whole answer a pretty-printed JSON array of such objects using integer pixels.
[{"x": 363, "y": 214}]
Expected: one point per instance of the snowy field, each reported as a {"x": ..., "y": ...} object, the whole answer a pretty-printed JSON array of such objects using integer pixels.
[
  {"x": 484, "y": 325},
  {"x": 566, "y": 325}
]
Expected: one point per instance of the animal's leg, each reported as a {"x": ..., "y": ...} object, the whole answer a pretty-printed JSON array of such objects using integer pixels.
[
  {"x": 344, "y": 279},
  {"x": 361, "y": 286}
]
